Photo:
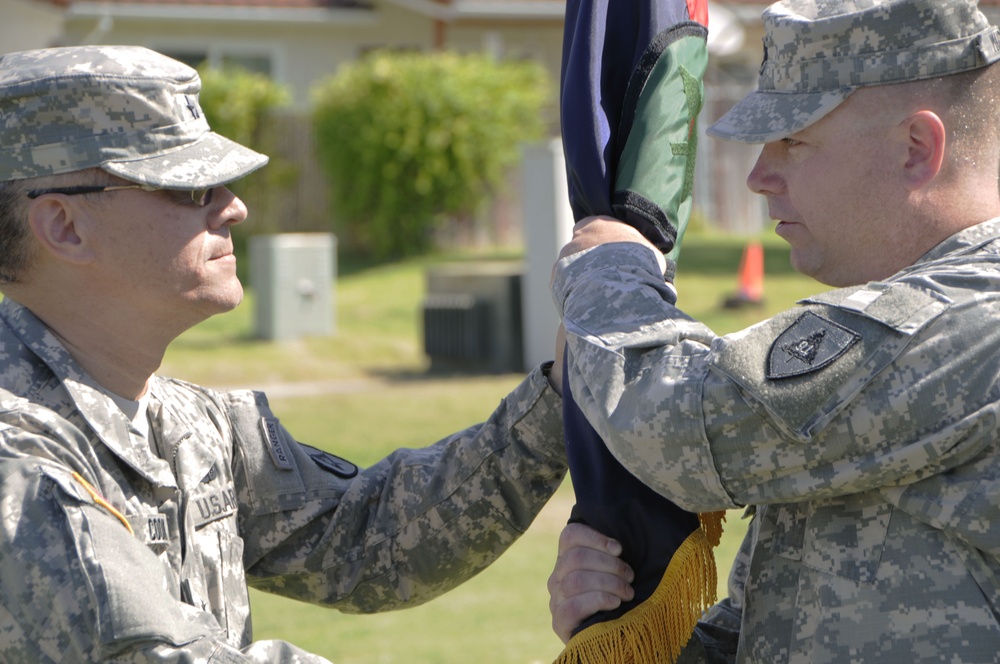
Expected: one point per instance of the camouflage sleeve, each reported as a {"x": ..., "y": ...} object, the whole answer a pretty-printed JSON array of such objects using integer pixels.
[
  {"x": 406, "y": 529},
  {"x": 76, "y": 585},
  {"x": 858, "y": 389}
]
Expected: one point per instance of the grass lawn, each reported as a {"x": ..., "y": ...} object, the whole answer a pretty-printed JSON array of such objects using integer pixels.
[{"x": 378, "y": 397}]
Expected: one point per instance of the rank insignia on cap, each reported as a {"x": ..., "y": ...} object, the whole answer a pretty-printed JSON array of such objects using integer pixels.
[
  {"x": 192, "y": 105},
  {"x": 809, "y": 344}
]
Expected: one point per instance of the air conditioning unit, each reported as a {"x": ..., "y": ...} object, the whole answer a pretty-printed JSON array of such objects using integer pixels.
[
  {"x": 456, "y": 327},
  {"x": 292, "y": 278},
  {"x": 472, "y": 318}
]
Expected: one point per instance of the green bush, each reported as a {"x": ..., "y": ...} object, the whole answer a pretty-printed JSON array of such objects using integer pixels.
[
  {"x": 408, "y": 139},
  {"x": 236, "y": 101}
]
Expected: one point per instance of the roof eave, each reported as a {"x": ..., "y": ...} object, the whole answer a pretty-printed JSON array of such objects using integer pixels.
[
  {"x": 515, "y": 10},
  {"x": 202, "y": 13}
]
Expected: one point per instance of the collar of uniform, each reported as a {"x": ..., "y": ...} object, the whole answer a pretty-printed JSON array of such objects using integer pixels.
[
  {"x": 33, "y": 333},
  {"x": 964, "y": 240},
  {"x": 93, "y": 403},
  {"x": 186, "y": 449}
]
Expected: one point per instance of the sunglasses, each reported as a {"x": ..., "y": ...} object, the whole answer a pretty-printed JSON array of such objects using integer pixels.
[{"x": 199, "y": 197}]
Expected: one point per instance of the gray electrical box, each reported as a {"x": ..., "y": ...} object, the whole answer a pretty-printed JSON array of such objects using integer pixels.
[
  {"x": 292, "y": 278},
  {"x": 472, "y": 317}
]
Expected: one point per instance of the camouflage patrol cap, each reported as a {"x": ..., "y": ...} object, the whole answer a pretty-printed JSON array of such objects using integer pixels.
[
  {"x": 817, "y": 52},
  {"x": 126, "y": 109}
]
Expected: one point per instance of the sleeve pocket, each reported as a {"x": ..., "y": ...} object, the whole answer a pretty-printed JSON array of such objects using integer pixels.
[
  {"x": 830, "y": 537},
  {"x": 268, "y": 453}
]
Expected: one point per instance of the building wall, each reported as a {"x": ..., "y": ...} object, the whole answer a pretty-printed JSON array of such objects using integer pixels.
[
  {"x": 28, "y": 25},
  {"x": 539, "y": 42},
  {"x": 301, "y": 52},
  {"x": 305, "y": 51}
]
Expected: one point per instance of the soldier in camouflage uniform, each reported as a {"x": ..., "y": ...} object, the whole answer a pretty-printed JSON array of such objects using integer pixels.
[
  {"x": 134, "y": 509},
  {"x": 862, "y": 425}
]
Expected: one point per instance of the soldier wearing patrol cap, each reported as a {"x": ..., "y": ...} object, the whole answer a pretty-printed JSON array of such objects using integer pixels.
[
  {"x": 134, "y": 508},
  {"x": 861, "y": 426}
]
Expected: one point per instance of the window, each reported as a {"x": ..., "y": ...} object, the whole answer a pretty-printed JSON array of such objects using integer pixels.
[{"x": 256, "y": 62}]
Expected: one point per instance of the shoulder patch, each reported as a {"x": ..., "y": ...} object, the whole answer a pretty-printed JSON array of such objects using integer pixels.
[
  {"x": 276, "y": 443},
  {"x": 809, "y": 344},
  {"x": 331, "y": 462}
]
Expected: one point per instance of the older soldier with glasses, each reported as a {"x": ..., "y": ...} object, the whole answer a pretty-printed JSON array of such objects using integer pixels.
[
  {"x": 860, "y": 426},
  {"x": 134, "y": 509}
]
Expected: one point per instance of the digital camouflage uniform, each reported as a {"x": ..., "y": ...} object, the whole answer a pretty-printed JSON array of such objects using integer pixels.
[
  {"x": 219, "y": 491},
  {"x": 118, "y": 545},
  {"x": 860, "y": 426},
  {"x": 863, "y": 424}
]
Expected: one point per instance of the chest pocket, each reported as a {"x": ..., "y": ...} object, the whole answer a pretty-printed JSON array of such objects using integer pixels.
[
  {"x": 843, "y": 537},
  {"x": 212, "y": 573},
  {"x": 800, "y": 368},
  {"x": 215, "y": 580}
]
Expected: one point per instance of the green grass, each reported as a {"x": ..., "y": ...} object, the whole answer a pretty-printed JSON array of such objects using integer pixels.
[{"x": 387, "y": 400}]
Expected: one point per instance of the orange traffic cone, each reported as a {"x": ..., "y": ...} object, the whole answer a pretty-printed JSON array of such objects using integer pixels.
[{"x": 751, "y": 278}]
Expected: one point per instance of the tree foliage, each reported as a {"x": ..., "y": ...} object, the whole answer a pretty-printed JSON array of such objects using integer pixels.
[
  {"x": 236, "y": 101},
  {"x": 408, "y": 139}
]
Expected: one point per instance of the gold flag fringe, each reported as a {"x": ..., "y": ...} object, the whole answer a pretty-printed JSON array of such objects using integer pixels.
[
  {"x": 656, "y": 630},
  {"x": 711, "y": 522}
]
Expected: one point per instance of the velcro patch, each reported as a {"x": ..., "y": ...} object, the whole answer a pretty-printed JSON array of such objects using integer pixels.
[
  {"x": 331, "y": 463},
  {"x": 156, "y": 529},
  {"x": 213, "y": 472},
  {"x": 276, "y": 443},
  {"x": 151, "y": 529},
  {"x": 809, "y": 344},
  {"x": 213, "y": 505}
]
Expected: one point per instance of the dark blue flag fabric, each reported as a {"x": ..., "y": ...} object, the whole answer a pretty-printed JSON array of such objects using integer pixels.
[{"x": 631, "y": 92}]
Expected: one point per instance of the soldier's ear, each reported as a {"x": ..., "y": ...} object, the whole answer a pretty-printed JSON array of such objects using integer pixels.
[
  {"x": 55, "y": 223},
  {"x": 925, "y": 138}
]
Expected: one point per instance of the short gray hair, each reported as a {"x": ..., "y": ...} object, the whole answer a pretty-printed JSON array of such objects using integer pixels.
[{"x": 16, "y": 246}]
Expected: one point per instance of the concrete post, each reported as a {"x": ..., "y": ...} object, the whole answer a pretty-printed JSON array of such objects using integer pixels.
[{"x": 548, "y": 225}]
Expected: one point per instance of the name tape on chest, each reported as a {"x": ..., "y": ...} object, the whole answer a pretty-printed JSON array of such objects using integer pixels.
[{"x": 151, "y": 529}]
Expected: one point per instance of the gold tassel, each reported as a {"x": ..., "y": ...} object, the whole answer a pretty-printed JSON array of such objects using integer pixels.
[
  {"x": 711, "y": 523},
  {"x": 656, "y": 630}
]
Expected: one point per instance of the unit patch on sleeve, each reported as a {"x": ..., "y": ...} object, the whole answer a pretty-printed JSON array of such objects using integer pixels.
[
  {"x": 331, "y": 463},
  {"x": 809, "y": 344}
]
